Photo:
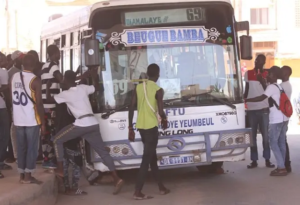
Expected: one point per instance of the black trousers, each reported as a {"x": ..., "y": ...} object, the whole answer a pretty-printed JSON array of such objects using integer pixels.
[{"x": 150, "y": 140}]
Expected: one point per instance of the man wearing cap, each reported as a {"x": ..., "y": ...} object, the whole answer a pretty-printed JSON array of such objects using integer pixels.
[{"x": 16, "y": 57}]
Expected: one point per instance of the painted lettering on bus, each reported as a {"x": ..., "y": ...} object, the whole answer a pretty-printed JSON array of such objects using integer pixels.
[
  {"x": 200, "y": 122},
  {"x": 175, "y": 111},
  {"x": 176, "y": 132},
  {"x": 197, "y": 122}
]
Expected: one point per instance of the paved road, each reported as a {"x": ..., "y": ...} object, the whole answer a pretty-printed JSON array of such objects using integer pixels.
[{"x": 238, "y": 186}]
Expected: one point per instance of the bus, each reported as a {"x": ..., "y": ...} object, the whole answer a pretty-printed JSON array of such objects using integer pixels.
[{"x": 196, "y": 45}]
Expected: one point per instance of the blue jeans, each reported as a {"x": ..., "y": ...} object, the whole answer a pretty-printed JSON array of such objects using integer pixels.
[
  {"x": 261, "y": 118},
  {"x": 4, "y": 134},
  {"x": 27, "y": 146},
  {"x": 277, "y": 135}
]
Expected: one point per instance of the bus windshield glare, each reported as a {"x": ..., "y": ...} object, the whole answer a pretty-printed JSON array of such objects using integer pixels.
[{"x": 195, "y": 48}]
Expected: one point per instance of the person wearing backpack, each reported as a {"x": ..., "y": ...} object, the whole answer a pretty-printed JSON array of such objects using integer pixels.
[
  {"x": 280, "y": 109},
  {"x": 287, "y": 87}
]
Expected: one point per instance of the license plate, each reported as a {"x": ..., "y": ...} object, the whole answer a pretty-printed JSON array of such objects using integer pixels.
[{"x": 176, "y": 160}]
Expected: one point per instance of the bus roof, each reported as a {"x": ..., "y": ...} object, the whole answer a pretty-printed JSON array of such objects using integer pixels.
[
  {"x": 137, "y": 2},
  {"x": 81, "y": 17},
  {"x": 76, "y": 19}
]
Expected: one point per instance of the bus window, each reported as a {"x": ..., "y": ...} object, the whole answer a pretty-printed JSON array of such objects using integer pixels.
[
  {"x": 71, "y": 59},
  {"x": 63, "y": 41},
  {"x": 62, "y": 61},
  {"x": 71, "y": 39}
]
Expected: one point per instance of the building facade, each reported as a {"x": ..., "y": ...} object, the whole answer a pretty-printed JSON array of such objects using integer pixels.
[{"x": 274, "y": 27}]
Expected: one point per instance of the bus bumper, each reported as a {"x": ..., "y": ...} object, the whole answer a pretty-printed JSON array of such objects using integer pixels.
[{"x": 177, "y": 151}]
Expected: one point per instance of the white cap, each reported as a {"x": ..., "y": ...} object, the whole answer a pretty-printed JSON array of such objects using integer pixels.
[{"x": 16, "y": 55}]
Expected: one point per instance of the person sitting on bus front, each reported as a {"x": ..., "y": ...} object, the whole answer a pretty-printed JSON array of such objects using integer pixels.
[
  {"x": 147, "y": 125},
  {"x": 86, "y": 124},
  {"x": 258, "y": 112}
]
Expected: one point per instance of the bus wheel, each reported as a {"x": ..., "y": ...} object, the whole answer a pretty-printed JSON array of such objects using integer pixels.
[{"x": 214, "y": 168}]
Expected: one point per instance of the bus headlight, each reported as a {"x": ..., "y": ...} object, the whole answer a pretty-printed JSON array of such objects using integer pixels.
[
  {"x": 234, "y": 139},
  {"x": 239, "y": 140},
  {"x": 230, "y": 141},
  {"x": 125, "y": 151},
  {"x": 118, "y": 150}
]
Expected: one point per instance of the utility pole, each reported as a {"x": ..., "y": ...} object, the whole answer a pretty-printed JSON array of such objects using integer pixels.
[{"x": 7, "y": 27}]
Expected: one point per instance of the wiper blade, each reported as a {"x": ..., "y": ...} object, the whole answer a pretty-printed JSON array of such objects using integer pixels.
[
  {"x": 229, "y": 104},
  {"x": 112, "y": 111}
]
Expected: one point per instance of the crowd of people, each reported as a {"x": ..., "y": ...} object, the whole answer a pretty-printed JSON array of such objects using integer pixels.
[
  {"x": 38, "y": 102},
  {"x": 263, "y": 97},
  {"x": 39, "y": 121}
]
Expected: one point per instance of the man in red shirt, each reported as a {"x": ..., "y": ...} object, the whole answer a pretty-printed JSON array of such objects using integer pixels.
[{"x": 258, "y": 112}]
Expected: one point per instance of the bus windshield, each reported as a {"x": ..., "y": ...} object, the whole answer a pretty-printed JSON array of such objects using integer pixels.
[{"x": 195, "y": 57}]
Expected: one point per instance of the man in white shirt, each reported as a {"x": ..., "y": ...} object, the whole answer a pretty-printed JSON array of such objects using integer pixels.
[
  {"x": 287, "y": 87},
  {"x": 86, "y": 124},
  {"x": 4, "y": 117},
  {"x": 277, "y": 127},
  {"x": 258, "y": 112}
]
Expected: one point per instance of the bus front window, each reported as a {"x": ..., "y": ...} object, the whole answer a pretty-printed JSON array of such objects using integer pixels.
[{"x": 205, "y": 62}]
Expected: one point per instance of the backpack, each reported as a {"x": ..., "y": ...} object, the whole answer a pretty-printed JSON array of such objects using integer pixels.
[{"x": 285, "y": 104}]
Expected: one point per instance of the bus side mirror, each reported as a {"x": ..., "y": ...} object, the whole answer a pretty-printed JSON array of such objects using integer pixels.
[
  {"x": 245, "y": 40},
  {"x": 91, "y": 53},
  {"x": 246, "y": 47}
]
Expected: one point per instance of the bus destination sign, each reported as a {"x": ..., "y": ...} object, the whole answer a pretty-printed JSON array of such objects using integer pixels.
[
  {"x": 154, "y": 17},
  {"x": 157, "y": 36}
]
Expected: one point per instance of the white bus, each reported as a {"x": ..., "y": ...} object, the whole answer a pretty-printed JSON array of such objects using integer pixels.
[{"x": 195, "y": 43}]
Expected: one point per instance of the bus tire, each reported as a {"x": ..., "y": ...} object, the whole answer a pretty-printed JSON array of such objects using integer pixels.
[{"x": 214, "y": 168}]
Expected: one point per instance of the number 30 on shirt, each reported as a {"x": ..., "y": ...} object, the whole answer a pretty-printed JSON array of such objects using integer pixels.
[{"x": 20, "y": 98}]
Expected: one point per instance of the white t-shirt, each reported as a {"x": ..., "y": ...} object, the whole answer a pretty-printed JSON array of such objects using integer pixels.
[
  {"x": 276, "y": 116},
  {"x": 3, "y": 81},
  {"x": 77, "y": 100},
  {"x": 287, "y": 87},
  {"x": 255, "y": 90}
]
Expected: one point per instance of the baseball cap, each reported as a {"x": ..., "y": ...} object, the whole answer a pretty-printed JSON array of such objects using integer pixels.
[{"x": 16, "y": 55}]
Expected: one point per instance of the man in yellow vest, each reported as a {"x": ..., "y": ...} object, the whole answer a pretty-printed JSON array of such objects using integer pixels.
[{"x": 149, "y": 99}]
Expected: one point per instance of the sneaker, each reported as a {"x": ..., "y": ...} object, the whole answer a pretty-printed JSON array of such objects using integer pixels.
[{"x": 49, "y": 165}]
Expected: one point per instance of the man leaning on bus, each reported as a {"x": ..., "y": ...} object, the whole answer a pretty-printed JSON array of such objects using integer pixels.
[
  {"x": 258, "y": 112},
  {"x": 149, "y": 99}
]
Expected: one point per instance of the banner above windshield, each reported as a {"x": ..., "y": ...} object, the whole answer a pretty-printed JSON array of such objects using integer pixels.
[{"x": 157, "y": 36}]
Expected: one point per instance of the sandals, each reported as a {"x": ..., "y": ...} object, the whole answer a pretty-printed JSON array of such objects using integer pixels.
[
  {"x": 145, "y": 197},
  {"x": 118, "y": 187},
  {"x": 278, "y": 172},
  {"x": 31, "y": 181},
  {"x": 1, "y": 176},
  {"x": 5, "y": 167}
]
